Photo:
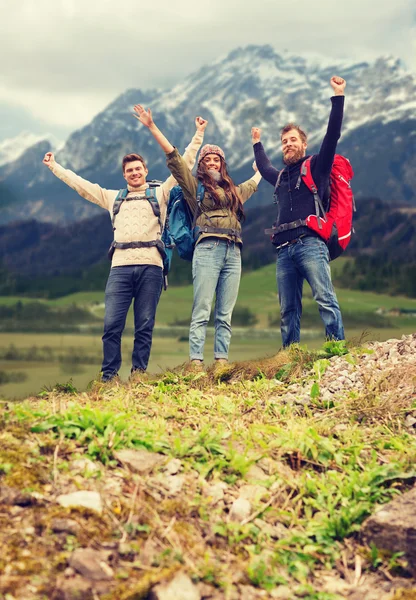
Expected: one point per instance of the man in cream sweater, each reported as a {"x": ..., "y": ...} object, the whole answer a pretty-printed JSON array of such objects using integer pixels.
[{"x": 136, "y": 273}]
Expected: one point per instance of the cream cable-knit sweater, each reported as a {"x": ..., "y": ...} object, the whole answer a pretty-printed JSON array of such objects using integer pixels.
[{"x": 135, "y": 221}]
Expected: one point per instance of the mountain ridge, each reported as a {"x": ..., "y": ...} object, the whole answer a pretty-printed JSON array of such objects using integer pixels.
[{"x": 253, "y": 85}]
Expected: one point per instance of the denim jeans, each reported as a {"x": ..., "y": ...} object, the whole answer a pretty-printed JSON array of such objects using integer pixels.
[
  {"x": 216, "y": 269},
  {"x": 143, "y": 283},
  {"x": 308, "y": 258}
]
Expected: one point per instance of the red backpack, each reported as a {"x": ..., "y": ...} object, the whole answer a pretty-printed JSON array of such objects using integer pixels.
[{"x": 335, "y": 227}]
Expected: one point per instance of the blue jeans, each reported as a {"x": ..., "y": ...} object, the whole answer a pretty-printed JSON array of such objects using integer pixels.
[
  {"x": 143, "y": 283},
  {"x": 216, "y": 269},
  {"x": 308, "y": 259}
]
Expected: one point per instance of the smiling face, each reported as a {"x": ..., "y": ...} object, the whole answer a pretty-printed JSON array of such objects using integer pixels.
[
  {"x": 293, "y": 147},
  {"x": 212, "y": 162},
  {"x": 135, "y": 173}
]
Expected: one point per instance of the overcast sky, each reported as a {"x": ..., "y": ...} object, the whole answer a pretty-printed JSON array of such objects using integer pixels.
[{"x": 64, "y": 60}]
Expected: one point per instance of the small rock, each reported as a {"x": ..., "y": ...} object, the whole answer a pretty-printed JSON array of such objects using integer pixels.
[
  {"x": 72, "y": 589},
  {"x": 240, "y": 510},
  {"x": 173, "y": 466},
  {"x": 84, "y": 464},
  {"x": 179, "y": 588},
  {"x": 393, "y": 527},
  {"x": 276, "y": 532},
  {"x": 91, "y": 564},
  {"x": 253, "y": 493},
  {"x": 410, "y": 421},
  {"x": 256, "y": 474},
  {"x": 65, "y": 526},
  {"x": 139, "y": 461},
  {"x": 86, "y": 499},
  {"x": 215, "y": 491},
  {"x": 12, "y": 496},
  {"x": 282, "y": 593},
  {"x": 148, "y": 552},
  {"x": 172, "y": 483}
]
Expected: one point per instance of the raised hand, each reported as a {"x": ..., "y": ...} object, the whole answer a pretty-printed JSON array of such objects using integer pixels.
[
  {"x": 201, "y": 124},
  {"x": 143, "y": 116},
  {"x": 49, "y": 159},
  {"x": 255, "y": 134},
  {"x": 338, "y": 85},
  {"x": 254, "y": 165}
]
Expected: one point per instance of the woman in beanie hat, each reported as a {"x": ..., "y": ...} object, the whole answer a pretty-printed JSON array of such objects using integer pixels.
[{"x": 216, "y": 263}]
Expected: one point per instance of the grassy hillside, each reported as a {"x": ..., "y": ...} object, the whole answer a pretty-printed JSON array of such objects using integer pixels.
[{"x": 250, "y": 482}]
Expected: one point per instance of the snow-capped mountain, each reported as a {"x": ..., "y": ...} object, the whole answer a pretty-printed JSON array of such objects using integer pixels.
[
  {"x": 12, "y": 148},
  {"x": 251, "y": 86}
]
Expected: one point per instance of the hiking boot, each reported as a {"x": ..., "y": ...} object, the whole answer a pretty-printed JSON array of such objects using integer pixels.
[
  {"x": 221, "y": 362},
  {"x": 196, "y": 366},
  {"x": 137, "y": 376}
]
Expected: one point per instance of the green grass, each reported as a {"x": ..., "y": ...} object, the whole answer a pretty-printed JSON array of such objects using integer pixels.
[{"x": 326, "y": 471}]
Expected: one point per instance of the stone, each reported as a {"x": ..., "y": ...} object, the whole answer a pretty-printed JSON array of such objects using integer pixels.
[
  {"x": 173, "y": 466},
  {"x": 65, "y": 526},
  {"x": 410, "y": 421},
  {"x": 256, "y": 474},
  {"x": 282, "y": 593},
  {"x": 84, "y": 498},
  {"x": 179, "y": 588},
  {"x": 91, "y": 564},
  {"x": 148, "y": 553},
  {"x": 253, "y": 493},
  {"x": 276, "y": 532},
  {"x": 393, "y": 527},
  {"x": 72, "y": 589},
  {"x": 14, "y": 497},
  {"x": 84, "y": 464},
  {"x": 139, "y": 461},
  {"x": 172, "y": 483},
  {"x": 240, "y": 510},
  {"x": 215, "y": 491}
]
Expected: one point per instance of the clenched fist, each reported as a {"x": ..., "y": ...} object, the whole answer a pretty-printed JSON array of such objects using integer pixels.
[
  {"x": 49, "y": 159},
  {"x": 255, "y": 134},
  {"x": 201, "y": 123},
  {"x": 338, "y": 85}
]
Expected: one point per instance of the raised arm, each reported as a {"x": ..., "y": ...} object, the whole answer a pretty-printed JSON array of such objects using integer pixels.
[
  {"x": 90, "y": 191},
  {"x": 247, "y": 188},
  {"x": 264, "y": 165},
  {"x": 326, "y": 154}
]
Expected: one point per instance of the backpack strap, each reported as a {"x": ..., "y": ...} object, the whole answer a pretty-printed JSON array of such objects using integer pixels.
[
  {"x": 121, "y": 196},
  {"x": 306, "y": 176},
  {"x": 276, "y": 187},
  {"x": 151, "y": 196},
  {"x": 285, "y": 227}
]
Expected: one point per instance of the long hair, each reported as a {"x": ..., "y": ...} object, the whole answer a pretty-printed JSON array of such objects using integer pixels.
[{"x": 231, "y": 192}]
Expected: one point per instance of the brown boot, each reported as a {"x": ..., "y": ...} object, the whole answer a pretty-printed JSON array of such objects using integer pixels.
[
  {"x": 221, "y": 362},
  {"x": 196, "y": 366}
]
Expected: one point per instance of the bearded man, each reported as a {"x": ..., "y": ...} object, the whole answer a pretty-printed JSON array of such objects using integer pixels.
[{"x": 301, "y": 252}]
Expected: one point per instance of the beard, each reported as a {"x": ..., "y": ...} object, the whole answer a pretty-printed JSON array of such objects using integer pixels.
[
  {"x": 294, "y": 157},
  {"x": 215, "y": 175}
]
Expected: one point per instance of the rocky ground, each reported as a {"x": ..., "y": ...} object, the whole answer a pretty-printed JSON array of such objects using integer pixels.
[{"x": 230, "y": 485}]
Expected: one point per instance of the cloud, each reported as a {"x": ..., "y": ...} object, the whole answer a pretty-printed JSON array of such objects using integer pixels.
[{"x": 65, "y": 60}]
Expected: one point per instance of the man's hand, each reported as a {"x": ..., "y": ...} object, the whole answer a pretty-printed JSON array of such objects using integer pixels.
[
  {"x": 49, "y": 159},
  {"x": 201, "y": 124},
  {"x": 338, "y": 85},
  {"x": 143, "y": 116},
  {"x": 255, "y": 134},
  {"x": 254, "y": 165}
]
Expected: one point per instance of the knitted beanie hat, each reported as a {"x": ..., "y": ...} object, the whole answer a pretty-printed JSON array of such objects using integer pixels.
[{"x": 211, "y": 149}]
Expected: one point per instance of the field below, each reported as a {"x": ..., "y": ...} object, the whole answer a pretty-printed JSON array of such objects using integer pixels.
[{"x": 34, "y": 360}]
